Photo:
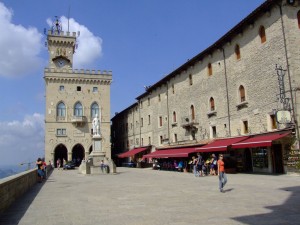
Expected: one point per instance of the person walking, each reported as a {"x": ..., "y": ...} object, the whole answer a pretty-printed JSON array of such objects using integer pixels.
[
  {"x": 221, "y": 173},
  {"x": 58, "y": 162}
]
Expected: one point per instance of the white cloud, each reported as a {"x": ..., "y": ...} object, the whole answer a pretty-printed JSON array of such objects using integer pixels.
[
  {"x": 22, "y": 141},
  {"x": 89, "y": 46},
  {"x": 19, "y": 46}
]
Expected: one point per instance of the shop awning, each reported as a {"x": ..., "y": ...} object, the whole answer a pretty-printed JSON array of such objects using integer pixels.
[
  {"x": 131, "y": 152},
  {"x": 171, "y": 153},
  {"x": 220, "y": 145},
  {"x": 260, "y": 140}
]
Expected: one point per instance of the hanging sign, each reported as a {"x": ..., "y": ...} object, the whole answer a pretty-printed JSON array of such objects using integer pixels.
[{"x": 283, "y": 117}]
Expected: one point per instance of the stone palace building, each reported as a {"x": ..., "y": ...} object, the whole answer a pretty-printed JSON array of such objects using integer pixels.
[
  {"x": 73, "y": 98},
  {"x": 240, "y": 96}
]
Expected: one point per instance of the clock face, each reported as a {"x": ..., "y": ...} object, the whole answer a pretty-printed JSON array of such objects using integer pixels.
[{"x": 60, "y": 62}]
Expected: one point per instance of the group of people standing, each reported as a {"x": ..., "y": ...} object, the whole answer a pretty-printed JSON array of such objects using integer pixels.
[
  {"x": 213, "y": 165},
  {"x": 203, "y": 167},
  {"x": 42, "y": 169}
]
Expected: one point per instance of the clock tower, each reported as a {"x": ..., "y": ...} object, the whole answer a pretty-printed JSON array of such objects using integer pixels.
[
  {"x": 74, "y": 98},
  {"x": 61, "y": 47}
]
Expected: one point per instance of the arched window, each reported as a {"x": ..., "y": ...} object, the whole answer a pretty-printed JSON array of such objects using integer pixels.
[
  {"x": 78, "y": 109},
  {"x": 94, "y": 110},
  {"x": 190, "y": 79},
  {"x": 209, "y": 69},
  {"x": 262, "y": 34},
  {"x": 298, "y": 16},
  {"x": 61, "y": 109},
  {"x": 192, "y": 112},
  {"x": 237, "y": 52},
  {"x": 242, "y": 93},
  {"x": 212, "y": 104},
  {"x": 174, "y": 117}
]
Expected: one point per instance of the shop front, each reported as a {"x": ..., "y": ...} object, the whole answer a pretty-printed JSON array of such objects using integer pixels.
[
  {"x": 223, "y": 146},
  {"x": 134, "y": 157},
  {"x": 262, "y": 153}
]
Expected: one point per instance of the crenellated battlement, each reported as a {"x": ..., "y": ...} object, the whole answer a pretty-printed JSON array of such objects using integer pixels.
[
  {"x": 61, "y": 33},
  {"x": 78, "y": 71}
]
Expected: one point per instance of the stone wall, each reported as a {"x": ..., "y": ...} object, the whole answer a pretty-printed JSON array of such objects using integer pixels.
[
  {"x": 13, "y": 187},
  {"x": 191, "y": 86}
]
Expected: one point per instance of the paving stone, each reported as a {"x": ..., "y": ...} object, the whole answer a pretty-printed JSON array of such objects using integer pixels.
[{"x": 145, "y": 196}]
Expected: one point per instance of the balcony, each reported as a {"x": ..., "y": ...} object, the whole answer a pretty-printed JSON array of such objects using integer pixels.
[
  {"x": 188, "y": 122},
  {"x": 241, "y": 105},
  {"x": 78, "y": 120},
  {"x": 211, "y": 113},
  {"x": 174, "y": 124}
]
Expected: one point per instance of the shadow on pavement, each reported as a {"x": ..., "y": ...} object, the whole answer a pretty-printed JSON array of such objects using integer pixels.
[
  {"x": 16, "y": 211},
  {"x": 228, "y": 190},
  {"x": 287, "y": 213}
]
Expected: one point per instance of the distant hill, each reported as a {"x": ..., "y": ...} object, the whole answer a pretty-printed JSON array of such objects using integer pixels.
[{"x": 8, "y": 170}]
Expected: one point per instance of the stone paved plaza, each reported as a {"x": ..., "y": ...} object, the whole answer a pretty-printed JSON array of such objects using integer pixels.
[{"x": 148, "y": 197}]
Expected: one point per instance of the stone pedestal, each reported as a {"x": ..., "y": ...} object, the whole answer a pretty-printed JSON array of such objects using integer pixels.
[
  {"x": 93, "y": 163},
  {"x": 84, "y": 168}
]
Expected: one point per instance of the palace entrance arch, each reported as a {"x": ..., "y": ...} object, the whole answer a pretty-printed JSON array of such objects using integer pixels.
[
  {"x": 60, "y": 152},
  {"x": 78, "y": 154}
]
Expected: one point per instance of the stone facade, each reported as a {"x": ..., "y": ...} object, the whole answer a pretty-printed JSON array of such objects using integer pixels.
[
  {"x": 73, "y": 98},
  {"x": 229, "y": 89}
]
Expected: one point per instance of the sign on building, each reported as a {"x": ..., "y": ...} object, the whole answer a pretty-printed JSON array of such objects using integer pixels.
[{"x": 283, "y": 117}]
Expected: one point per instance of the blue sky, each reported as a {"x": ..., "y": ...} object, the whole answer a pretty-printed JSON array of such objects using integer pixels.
[{"x": 141, "y": 41}]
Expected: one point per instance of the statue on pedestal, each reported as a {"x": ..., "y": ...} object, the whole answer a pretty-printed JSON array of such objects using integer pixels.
[{"x": 96, "y": 126}]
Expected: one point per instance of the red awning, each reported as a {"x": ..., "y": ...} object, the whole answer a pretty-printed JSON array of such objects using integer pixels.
[
  {"x": 220, "y": 145},
  {"x": 131, "y": 152},
  {"x": 171, "y": 153},
  {"x": 260, "y": 140}
]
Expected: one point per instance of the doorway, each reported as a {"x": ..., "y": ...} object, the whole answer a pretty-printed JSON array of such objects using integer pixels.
[
  {"x": 277, "y": 160},
  {"x": 60, "y": 152},
  {"x": 78, "y": 154},
  {"x": 248, "y": 161}
]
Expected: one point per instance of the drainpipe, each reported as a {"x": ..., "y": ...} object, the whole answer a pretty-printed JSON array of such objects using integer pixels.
[
  {"x": 227, "y": 94},
  {"x": 288, "y": 71},
  {"x": 133, "y": 127},
  {"x": 140, "y": 122},
  {"x": 168, "y": 112}
]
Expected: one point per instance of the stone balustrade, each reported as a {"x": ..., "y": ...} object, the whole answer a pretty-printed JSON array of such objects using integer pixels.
[{"x": 14, "y": 186}]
